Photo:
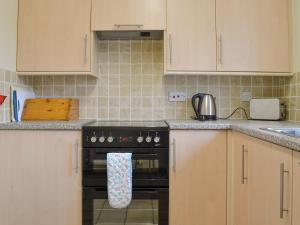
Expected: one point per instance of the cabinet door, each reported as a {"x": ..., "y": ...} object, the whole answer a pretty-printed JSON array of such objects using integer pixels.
[
  {"x": 238, "y": 197},
  {"x": 253, "y": 35},
  {"x": 198, "y": 177},
  {"x": 129, "y": 14},
  {"x": 191, "y": 36},
  {"x": 296, "y": 188},
  {"x": 268, "y": 198},
  {"x": 54, "y": 36},
  {"x": 43, "y": 177},
  {"x": 260, "y": 182}
]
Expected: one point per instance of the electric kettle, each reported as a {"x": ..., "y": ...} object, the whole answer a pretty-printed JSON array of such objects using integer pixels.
[{"x": 204, "y": 106}]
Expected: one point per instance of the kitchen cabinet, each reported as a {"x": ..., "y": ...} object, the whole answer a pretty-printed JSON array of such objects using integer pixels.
[
  {"x": 190, "y": 44},
  {"x": 41, "y": 178},
  {"x": 296, "y": 188},
  {"x": 128, "y": 15},
  {"x": 259, "y": 182},
  {"x": 198, "y": 177},
  {"x": 228, "y": 37},
  {"x": 253, "y": 35},
  {"x": 54, "y": 37}
]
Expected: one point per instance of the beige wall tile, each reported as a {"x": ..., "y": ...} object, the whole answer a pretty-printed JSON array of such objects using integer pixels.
[
  {"x": 59, "y": 80},
  {"x": 59, "y": 91},
  {"x": 114, "y": 114},
  {"x": 257, "y": 81},
  {"x": 235, "y": 80}
]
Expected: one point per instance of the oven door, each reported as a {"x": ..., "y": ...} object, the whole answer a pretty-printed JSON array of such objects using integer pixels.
[
  {"x": 150, "y": 166},
  {"x": 148, "y": 207}
]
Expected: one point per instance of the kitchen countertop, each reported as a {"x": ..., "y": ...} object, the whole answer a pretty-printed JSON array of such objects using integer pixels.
[
  {"x": 249, "y": 127},
  {"x": 45, "y": 125}
]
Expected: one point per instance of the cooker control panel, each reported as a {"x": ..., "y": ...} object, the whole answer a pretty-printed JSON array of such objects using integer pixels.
[{"x": 125, "y": 138}]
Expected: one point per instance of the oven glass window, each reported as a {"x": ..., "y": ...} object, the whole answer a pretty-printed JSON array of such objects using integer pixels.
[{"x": 139, "y": 212}]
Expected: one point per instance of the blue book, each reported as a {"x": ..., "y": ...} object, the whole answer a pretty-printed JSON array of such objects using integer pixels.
[{"x": 15, "y": 106}]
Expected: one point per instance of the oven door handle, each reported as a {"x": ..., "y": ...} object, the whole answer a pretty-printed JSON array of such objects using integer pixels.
[
  {"x": 136, "y": 191},
  {"x": 134, "y": 156}
]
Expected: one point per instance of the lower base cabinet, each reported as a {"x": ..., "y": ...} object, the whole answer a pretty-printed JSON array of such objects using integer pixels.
[
  {"x": 259, "y": 182},
  {"x": 198, "y": 177},
  {"x": 296, "y": 188},
  {"x": 40, "y": 178},
  {"x": 256, "y": 183}
]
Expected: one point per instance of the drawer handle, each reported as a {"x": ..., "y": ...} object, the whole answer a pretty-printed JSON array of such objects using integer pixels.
[
  {"x": 85, "y": 49},
  {"x": 244, "y": 151},
  {"x": 220, "y": 52},
  {"x": 282, "y": 189},
  {"x": 174, "y": 155},
  {"x": 131, "y": 26},
  {"x": 170, "y": 49},
  {"x": 76, "y": 152}
]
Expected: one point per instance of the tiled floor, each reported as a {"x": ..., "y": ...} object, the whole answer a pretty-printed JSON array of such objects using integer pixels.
[{"x": 140, "y": 212}]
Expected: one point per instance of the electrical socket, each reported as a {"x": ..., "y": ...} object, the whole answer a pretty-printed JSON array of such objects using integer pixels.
[
  {"x": 176, "y": 96},
  {"x": 246, "y": 96}
]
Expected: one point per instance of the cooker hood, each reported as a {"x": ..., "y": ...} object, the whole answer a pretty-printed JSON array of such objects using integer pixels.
[{"x": 130, "y": 35}]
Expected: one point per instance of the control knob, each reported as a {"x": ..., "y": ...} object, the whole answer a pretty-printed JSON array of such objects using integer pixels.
[
  {"x": 140, "y": 139},
  {"x": 148, "y": 139},
  {"x": 110, "y": 139},
  {"x": 156, "y": 139},
  {"x": 102, "y": 139},
  {"x": 93, "y": 139}
]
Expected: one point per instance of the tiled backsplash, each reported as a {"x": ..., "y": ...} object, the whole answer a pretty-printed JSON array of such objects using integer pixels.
[
  {"x": 290, "y": 92},
  {"x": 8, "y": 78},
  {"x": 131, "y": 86}
]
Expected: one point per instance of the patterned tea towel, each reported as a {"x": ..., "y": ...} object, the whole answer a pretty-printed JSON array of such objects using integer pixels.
[{"x": 119, "y": 179}]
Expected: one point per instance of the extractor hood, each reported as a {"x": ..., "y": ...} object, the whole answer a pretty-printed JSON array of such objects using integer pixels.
[{"x": 130, "y": 35}]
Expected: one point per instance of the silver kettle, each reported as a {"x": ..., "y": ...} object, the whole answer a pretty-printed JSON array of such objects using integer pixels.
[{"x": 204, "y": 106}]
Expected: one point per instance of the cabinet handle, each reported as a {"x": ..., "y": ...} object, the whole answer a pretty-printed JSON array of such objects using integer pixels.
[
  {"x": 220, "y": 48},
  {"x": 85, "y": 49},
  {"x": 282, "y": 189},
  {"x": 170, "y": 49},
  {"x": 174, "y": 155},
  {"x": 244, "y": 151},
  {"x": 131, "y": 26},
  {"x": 76, "y": 153}
]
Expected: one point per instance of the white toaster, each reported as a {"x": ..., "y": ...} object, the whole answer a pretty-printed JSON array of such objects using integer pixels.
[{"x": 267, "y": 109}]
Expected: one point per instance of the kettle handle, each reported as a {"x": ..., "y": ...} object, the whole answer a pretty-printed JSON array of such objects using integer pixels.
[{"x": 200, "y": 96}]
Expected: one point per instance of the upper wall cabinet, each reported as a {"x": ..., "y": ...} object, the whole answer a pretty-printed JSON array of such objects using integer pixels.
[
  {"x": 191, "y": 36},
  {"x": 128, "y": 15},
  {"x": 227, "y": 37},
  {"x": 54, "y": 37},
  {"x": 253, "y": 35}
]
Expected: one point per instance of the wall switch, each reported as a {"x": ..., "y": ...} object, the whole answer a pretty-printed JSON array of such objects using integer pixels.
[
  {"x": 177, "y": 96},
  {"x": 246, "y": 96}
]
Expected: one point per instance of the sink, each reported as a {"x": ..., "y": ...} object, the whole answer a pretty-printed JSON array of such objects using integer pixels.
[{"x": 294, "y": 132}]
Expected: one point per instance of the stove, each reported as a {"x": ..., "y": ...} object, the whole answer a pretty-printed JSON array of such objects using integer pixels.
[{"x": 148, "y": 141}]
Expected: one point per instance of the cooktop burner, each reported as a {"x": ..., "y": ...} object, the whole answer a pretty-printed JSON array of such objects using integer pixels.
[{"x": 137, "y": 124}]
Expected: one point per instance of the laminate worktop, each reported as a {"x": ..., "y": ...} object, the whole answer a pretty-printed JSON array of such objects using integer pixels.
[
  {"x": 45, "y": 125},
  {"x": 249, "y": 127}
]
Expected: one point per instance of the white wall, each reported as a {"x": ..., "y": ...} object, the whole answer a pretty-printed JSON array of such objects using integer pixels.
[
  {"x": 8, "y": 34},
  {"x": 296, "y": 37}
]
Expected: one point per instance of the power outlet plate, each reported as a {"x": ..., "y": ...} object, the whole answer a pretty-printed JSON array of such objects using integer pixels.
[
  {"x": 176, "y": 96},
  {"x": 246, "y": 96}
]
